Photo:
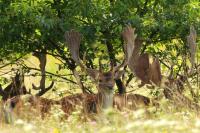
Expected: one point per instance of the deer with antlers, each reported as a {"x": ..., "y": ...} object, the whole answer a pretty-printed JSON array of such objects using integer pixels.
[
  {"x": 105, "y": 80},
  {"x": 20, "y": 105},
  {"x": 150, "y": 72},
  {"x": 14, "y": 99},
  {"x": 15, "y": 88}
]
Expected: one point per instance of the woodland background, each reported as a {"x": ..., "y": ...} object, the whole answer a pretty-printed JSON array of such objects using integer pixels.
[{"x": 38, "y": 26}]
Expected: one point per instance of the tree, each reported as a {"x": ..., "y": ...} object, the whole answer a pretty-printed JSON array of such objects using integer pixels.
[{"x": 31, "y": 26}]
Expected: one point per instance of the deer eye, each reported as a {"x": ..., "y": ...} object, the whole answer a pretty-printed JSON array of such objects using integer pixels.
[{"x": 100, "y": 80}]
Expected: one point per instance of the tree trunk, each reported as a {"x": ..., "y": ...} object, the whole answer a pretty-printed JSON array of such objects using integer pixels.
[{"x": 120, "y": 85}]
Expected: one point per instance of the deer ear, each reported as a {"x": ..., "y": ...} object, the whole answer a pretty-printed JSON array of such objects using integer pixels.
[
  {"x": 118, "y": 74},
  {"x": 93, "y": 73}
]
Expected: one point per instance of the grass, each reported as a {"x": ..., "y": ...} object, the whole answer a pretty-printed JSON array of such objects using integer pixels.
[{"x": 166, "y": 119}]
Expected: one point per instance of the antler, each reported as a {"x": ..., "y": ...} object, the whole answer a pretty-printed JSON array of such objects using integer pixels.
[
  {"x": 191, "y": 40},
  {"x": 2, "y": 92},
  {"x": 155, "y": 72},
  {"x": 129, "y": 37},
  {"x": 73, "y": 39}
]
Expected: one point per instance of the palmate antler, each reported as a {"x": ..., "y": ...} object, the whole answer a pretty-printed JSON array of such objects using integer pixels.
[
  {"x": 191, "y": 40},
  {"x": 73, "y": 39},
  {"x": 129, "y": 37},
  {"x": 141, "y": 66}
]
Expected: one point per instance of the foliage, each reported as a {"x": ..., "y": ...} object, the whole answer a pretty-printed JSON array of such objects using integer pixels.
[{"x": 28, "y": 26}]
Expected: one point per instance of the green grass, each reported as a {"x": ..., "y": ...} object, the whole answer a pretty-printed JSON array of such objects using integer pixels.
[{"x": 166, "y": 119}]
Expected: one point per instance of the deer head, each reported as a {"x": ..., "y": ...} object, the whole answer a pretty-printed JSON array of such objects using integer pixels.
[
  {"x": 16, "y": 87},
  {"x": 104, "y": 80}
]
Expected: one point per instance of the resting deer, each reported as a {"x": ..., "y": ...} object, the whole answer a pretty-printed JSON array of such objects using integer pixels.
[
  {"x": 15, "y": 88},
  {"x": 105, "y": 80},
  {"x": 13, "y": 100},
  {"x": 130, "y": 101},
  {"x": 21, "y": 105}
]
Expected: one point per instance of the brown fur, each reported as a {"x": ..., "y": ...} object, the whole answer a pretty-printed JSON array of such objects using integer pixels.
[
  {"x": 130, "y": 101},
  {"x": 89, "y": 102},
  {"x": 106, "y": 80},
  {"x": 19, "y": 103},
  {"x": 69, "y": 103},
  {"x": 144, "y": 70},
  {"x": 15, "y": 88},
  {"x": 155, "y": 72}
]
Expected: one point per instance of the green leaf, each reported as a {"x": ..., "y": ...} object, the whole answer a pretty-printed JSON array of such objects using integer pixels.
[{"x": 37, "y": 31}]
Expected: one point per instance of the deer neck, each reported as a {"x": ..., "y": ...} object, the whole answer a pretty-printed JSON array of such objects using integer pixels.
[{"x": 106, "y": 98}]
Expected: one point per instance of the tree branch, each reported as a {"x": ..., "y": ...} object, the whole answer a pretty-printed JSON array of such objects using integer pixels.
[
  {"x": 43, "y": 91},
  {"x": 12, "y": 62},
  {"x": 31, "y": 68}
]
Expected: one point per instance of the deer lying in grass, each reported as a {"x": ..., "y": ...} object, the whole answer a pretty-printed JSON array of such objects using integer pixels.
[
  {"x": 85, "y": 101},
  {"x": 22, "y": 105},
  {"x": 15, "y": 88},
  {"x": 105, "y": 80},
  {"x": 89, "y": 102},
  {"x": 13, "y": 95},
  {"x": 130, "y": 101}
]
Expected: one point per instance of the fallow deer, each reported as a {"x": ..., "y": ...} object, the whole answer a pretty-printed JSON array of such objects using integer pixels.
[
  {"x": 15, "y": 88},
  {"x": 130, "y": 101},
  {"x": 105, "y": 80},
  {"x": 21, "y": 105},
  {"x": 13, "y": 94},
  {"x": 150, "y": 72}
]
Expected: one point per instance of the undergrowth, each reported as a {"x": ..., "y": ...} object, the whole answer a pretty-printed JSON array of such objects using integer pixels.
[{"x": 165, "y": 119}]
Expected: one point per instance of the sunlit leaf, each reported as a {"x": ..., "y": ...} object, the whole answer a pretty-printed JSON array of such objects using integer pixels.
[{"x": 37, "y": 31}]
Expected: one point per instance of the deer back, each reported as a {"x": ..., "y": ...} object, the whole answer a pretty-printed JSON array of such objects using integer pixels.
[
  {"x": 21, "y": 105},
  {"x": 88, "y": 102},
  {"x": 130, "y": 101}
]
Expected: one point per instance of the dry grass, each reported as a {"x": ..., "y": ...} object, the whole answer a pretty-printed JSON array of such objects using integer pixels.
[{"x": 167, "y": 118}]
